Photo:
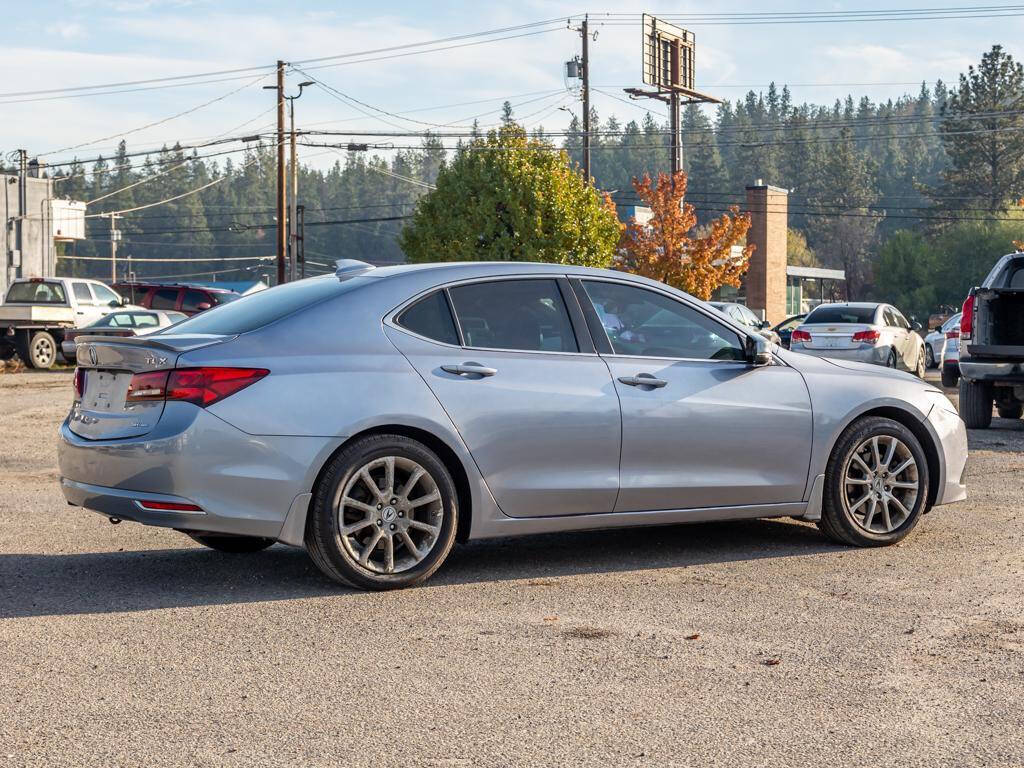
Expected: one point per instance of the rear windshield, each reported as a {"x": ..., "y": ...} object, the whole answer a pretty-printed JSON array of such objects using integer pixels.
[
  {"x": 258, "y": 309},
  {"x": 863, "y": 315},
  {"x": 37, "y": 293}
]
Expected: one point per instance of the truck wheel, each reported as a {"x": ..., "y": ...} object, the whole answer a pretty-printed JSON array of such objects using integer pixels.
[
  {"x": 41, "y": 350},
  {"x": 950, "y": 375},
  {"x": 976, "y": 404},
  {"x": 1010, "y": 411}
]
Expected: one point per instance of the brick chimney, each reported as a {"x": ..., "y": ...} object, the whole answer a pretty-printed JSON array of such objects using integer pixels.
[{"x": 765, "y": 280}]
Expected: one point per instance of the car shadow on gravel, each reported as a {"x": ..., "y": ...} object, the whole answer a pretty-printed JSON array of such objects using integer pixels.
[{"x": 113, "y": 582}]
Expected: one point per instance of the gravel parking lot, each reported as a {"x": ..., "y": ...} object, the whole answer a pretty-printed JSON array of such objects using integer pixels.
[{"x": 752, "y": 643}]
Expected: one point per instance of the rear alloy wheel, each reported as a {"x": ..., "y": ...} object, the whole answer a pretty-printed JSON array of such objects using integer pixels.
[
  {"x": 384, "y": 514},
  {"x": 976, "y": 400},
  {"x": 876, "y": 484},
  {"x": 228, "y": 543},
  {"x": 41, "y": 351},
  {"x": 920, "y": 364},
  {"x": 929, "y": 356}
]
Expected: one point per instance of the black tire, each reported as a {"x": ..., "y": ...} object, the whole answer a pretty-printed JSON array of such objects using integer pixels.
[
  {"x": 839, "y": 524},
  {"x": 323, "y": 537},
  {"x": 1010, "y": 411},
  {"x": 7, "y": 351},
  {"x": 227, "y": 543},
  {"x": 950, "y": 375},
  {"x": 891, "y": 361},
  {"x": 929, "y": 356},
  {"x": 40, "y": 351},
  {"x": 976, "y": 404}
]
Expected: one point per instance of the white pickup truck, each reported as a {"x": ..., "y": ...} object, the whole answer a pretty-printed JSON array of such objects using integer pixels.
[{"x": 37, "y": 310}]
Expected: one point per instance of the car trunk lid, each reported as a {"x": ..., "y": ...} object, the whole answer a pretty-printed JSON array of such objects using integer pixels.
[
  {"x": 834, "y": 335},
  {"x": 108, "y": 365}
]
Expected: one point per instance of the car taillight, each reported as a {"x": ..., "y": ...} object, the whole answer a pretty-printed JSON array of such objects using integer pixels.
[
  {"x": 954, "y": 334},
  {"x": 147, "y": 386},
  {"x": 799, "y": 335},
  {"x": 200, "y": 386},
  {"x": 869, "y": 336},
  {"x": 79, "y": 383},
  {"x": 967, "y": 320}
]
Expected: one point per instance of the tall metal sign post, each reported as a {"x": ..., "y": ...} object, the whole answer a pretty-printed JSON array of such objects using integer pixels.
[{"x": 668, "y": 66}]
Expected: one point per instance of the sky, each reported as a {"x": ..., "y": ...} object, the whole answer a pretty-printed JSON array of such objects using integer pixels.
[{"x": 59, "y": 45}]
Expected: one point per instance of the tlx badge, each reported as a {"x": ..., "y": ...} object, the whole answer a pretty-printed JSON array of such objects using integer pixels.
[{"x": 155, "y": 361}]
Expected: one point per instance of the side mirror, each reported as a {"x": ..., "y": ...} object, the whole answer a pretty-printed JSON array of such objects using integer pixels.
[
  {"x": 759, "y": 351},
  {"x": 764, "y": 325},
  {"x": 114, "y": 303},
  {"x": 203, "y": 305},
  {"x": 915, "y": 325}
]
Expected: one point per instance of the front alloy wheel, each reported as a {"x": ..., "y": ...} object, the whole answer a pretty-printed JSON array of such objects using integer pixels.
[
  {"x": 876, "y": 484},
  {"x": 880, "y": 484},
  {"x": 384, "y": 514}
]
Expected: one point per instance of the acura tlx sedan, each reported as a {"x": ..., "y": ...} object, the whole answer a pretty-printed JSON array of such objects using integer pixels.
[{"x": 377, "y": 416}]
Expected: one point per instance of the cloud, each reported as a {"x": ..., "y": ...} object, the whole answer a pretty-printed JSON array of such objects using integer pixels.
[{"x": 65, "y": 30}]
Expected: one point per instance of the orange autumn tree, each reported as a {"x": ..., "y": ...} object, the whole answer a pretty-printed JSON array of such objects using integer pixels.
[{"x": 663, "y": 248}]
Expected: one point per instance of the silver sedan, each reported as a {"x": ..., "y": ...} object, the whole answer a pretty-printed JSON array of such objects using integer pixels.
[
  {"x": 866, "y": 332},
  {"x": 378, "y": 416}
]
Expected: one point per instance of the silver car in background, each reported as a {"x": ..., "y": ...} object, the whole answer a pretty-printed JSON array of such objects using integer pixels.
[
  {"x": 743, "y": 315},
  {"x": 862, "y": 331},
  {"x": 377, "y": 416}
]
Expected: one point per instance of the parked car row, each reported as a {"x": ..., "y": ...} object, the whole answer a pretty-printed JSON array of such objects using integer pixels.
[{"x": 41, "y": 317}]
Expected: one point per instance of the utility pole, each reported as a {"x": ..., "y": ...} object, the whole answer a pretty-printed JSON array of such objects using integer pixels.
[
  {"x": 585, "y": 66},
  {"x": 293, "y": 212},
  {"x": 300, "y": 240},
  {"x": 282, "y": 231},
  {"x": 115, "y": 235},
  {"x": 22, "y": 204},
  {"x": 673, "y": 119}
]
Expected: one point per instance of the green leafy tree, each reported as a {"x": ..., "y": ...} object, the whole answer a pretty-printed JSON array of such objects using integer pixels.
[{"x": 509, "y": 198}]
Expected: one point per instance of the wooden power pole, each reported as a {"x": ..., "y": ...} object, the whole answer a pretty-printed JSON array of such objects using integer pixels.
[
  {"x": 282, "y": 228},
  {"x": 585, "y": 67}
]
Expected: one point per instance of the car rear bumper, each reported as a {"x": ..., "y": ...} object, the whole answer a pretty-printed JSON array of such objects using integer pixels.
[
  {"x": 244, "y": 484},
  {"x": 864, "y": 354}
]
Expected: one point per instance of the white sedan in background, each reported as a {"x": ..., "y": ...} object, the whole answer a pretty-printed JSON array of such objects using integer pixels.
[
  {"x": 134, "y": 322},
  {"x": 864, "y": 332},
  {"x": 935, "y": 342}
]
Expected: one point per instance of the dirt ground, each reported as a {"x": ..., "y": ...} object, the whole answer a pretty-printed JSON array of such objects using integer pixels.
[{"x": 752, "y": 643}]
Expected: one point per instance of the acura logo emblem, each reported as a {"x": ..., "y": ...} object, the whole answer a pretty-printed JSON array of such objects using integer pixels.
[{"x": 92, "y": 355}]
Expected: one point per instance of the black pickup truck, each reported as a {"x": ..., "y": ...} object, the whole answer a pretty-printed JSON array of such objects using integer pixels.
[{"x": 992, "y": 345}]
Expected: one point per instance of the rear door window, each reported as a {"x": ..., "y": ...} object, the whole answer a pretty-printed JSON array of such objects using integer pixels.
[
  {"x": 431, "y": 317},
  {"x": 82, "y": 293},
  {"x": 522, "y": 315},
  {"x": 164, "y": 298}
]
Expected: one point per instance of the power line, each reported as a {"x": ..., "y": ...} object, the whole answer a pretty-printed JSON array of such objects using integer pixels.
[{"x": 156, "y": 122}]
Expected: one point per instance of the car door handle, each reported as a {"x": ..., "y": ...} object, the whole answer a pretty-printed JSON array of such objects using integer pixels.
[
  {"x": 643, "y": 380},
  {"x": 466, "y": 369}
]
